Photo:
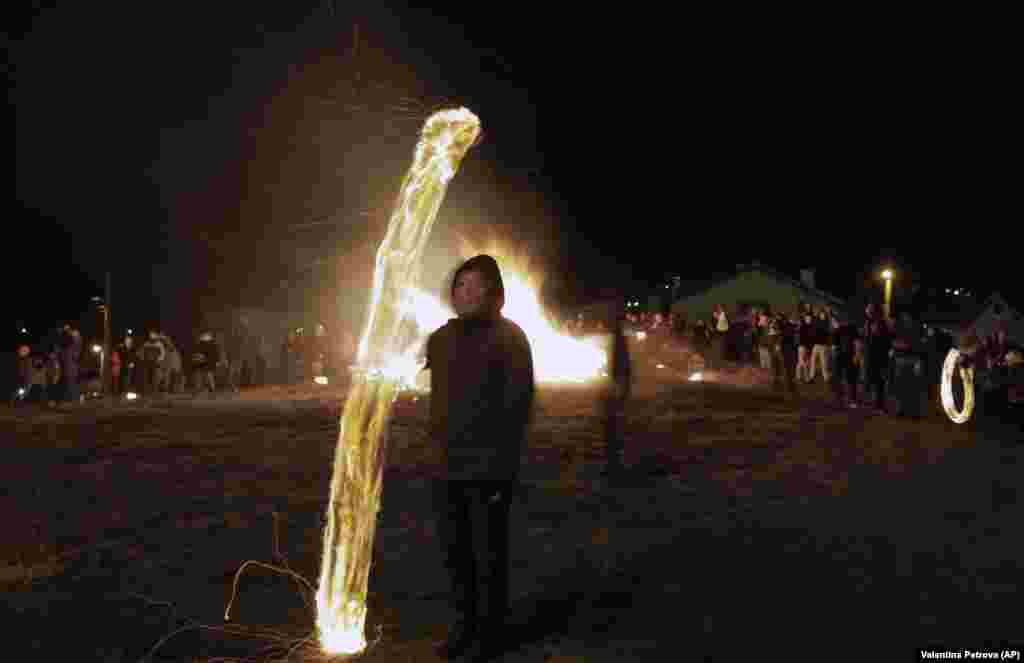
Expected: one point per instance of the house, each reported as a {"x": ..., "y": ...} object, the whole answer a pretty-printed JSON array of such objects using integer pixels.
[
  {"x": 753, "y": 285},
  {"x": 982, "y": 317}
]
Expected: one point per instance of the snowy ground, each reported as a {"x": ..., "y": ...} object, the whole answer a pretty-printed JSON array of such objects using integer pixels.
[{"x": 750, "y": 521}]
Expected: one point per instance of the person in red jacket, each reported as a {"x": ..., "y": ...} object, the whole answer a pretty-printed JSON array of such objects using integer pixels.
[{"x": 481, "y": 397}]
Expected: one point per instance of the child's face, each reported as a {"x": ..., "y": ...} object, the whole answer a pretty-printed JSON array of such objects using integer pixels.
[{"x": 470, "y": 293}]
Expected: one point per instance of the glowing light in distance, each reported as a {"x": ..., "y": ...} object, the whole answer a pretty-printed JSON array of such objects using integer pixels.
[
  {"x": 131, "y": 395},
  {"x": 641, "y": 336},
  {"x": 97, "y": 349}
]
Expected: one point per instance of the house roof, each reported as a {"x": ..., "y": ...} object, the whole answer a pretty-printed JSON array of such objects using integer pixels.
[
  {"x": 968, "y": 315},
  {"x": 1013, "y": 301},
  {"x": 695, "y": 288}
]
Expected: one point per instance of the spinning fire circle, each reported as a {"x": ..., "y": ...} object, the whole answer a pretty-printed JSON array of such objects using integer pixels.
[{"x": 951, "y": 366}]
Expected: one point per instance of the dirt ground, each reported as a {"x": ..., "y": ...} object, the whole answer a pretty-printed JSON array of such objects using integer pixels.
[{"x": 750, "y": 522}]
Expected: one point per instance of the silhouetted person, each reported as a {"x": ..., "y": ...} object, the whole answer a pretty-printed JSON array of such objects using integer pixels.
[
  {"x": 907, "y": 368},
  {"x": 153, "y": 354},
  {"x": 846, "y": 372},
  {"x": 871, "y": 316},
  {"x": 233, "y": 352},
  {"x": 204, "y": 364},
  {"x": 70, "y": 359},
  {"x": 879, "y": 345},
  {"x": 785, "y": 360},
  {"x": 700, "y": 340},
  {"x": 619, "y": 383},
  {"x": 481, "y": 397},
  {"x": 171, "y": 377},
  {"x": 54, "y": 379}
]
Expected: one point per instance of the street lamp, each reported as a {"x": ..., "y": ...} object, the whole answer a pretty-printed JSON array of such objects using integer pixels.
[
  {"x": 887, "y": 276},
  {"x": 103, "y": 306}
]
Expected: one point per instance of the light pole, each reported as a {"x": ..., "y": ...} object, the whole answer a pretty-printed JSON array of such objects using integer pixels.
[
  {"x": 108, "y": 354},
  {"x": 887, "y": 276},
  {"x": 98, "y": 350}
]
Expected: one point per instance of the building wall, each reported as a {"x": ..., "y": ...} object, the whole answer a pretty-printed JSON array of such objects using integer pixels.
[{"x": 747, "y": 288}]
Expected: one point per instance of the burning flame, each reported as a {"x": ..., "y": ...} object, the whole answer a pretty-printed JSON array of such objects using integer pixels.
[{"x": 556, "y": 357}]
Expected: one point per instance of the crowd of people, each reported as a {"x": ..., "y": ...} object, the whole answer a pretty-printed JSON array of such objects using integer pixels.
[
  {"x": 866, "y": 362},
  {"x": 874, "y": 361},
  {"x": 57, "y": 370}
]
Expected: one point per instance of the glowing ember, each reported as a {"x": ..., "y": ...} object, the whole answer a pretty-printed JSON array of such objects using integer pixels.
[
  {"x": 697, "y": 377},
  {"x": 362, "y": 439},
  {"x": 131, "y": 395},
  {"x": 948, "y": 403},
  {"x": 320, "y": 379}
]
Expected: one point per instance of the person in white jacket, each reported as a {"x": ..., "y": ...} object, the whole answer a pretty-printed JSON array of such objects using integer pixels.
[
  {"x": 721, "y": 333},
  {"x": 171, "y": 369},
  {"x": 153, "y": 355}
]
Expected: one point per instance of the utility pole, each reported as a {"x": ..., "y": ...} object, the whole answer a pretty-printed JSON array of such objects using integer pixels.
[
  {"x": 105, "y": 370},
  {"x": 355, "y": 54}
]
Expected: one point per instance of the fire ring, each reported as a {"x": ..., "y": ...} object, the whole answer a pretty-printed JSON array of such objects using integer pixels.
[{"x": 948, "y": 403}]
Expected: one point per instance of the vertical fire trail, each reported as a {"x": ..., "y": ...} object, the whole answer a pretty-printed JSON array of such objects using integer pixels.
[{"x": 362, "y": 439}]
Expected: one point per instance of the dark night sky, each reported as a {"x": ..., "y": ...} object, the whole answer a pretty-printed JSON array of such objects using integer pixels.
[{"x": 183, "y": 145}]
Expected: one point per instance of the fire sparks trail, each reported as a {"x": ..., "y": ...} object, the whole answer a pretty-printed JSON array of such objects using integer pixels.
[
  {"x": 949, "y": 367},
  {"x": 362, "y": 439}
]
